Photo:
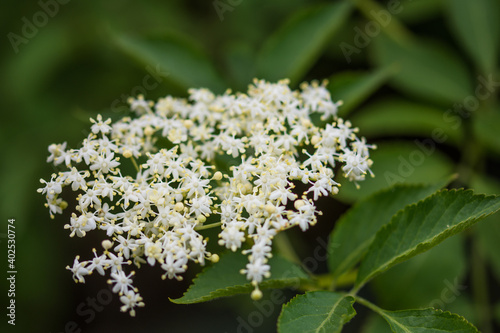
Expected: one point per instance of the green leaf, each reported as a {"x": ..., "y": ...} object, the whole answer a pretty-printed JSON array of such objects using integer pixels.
[
  {"x": 30, "y": 70},
  {"x": 434, "y": 282},
  {"x": 426, "y": 70},
  {"x": 224, "y": 279},
  {"x": 427, "y": 320},
  {"x": 240, "y": 63},
  {"x": 475, "y": 24},
  {"x": 292, "y": 50},
  {"x": 176, "y": 59},
  {"x": 422, "y": 226},
  {"x": 356, "y": 229},
  {"x": 463, "y": 305},
  {"x": 353, "y": 88},
  {"x": 401, "y": 162},
  {"x": 420, "y": 11},
  {"x": 401, "y": 117},
  {"x": 317, "y": 311}
]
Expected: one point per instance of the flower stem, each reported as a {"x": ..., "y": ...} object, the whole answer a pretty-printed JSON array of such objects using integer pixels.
[
  {"x": 346, "y": 279},
  {"x": 369, "y": 305},
  {"x": 208, "y": 226},
  {"x": 480, "y": 288},
  {"x": 135, "y": 164}
]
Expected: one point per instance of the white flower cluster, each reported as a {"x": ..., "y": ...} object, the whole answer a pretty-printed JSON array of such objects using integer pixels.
[{"x": 181, "y": 149}]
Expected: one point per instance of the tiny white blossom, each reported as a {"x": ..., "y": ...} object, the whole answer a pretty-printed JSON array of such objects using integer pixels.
[{"x": 122, "y": 282}]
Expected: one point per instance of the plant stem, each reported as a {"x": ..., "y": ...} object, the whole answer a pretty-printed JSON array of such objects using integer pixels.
[
  {"x": 480, "y": 288},
  {"x": 208, "y": 226},
  {"x": 346, "y": 279},
  {"x": 135, "y": 164},
  {"x": 369, "y": 305}
]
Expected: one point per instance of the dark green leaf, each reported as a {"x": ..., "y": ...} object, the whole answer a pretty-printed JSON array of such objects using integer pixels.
[
  {"x": 355, "y": 230},
  {"x": 35, "y": 63},
  {"x": 427, "y": 321},
  {"x": 401, "y": 117},
  {"x": 175, "y": 59},
  {"x": 317, "y": 311},
  {"x": 419, "y": 11},
  {"x": 240, "y": 60},
  {"x": 475, "y": 24},
  {"x": 426, "y": 70},
  {"x": 462, "y": 305},
  {"x": 422, "y": 226},
  {"x": 416, "y": 162},
  {"x": 353, "y": 88},
  {"x": 292, "y": 50},
  {"x": 434, "y": 282},
  {"x": 224, "y": 278}
]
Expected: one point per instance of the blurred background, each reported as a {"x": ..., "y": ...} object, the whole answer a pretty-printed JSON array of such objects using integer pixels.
[{"x": 419, "y": 78}]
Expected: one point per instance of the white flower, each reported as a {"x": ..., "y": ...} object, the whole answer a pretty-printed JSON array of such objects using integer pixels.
[
  {"x": 76, "y": 179},
  {"x": 317, "y": 98},
  {"x": 87, "y": 152},
  {"x": 78, "y": 270},
  {"x": 106, "y": 146},
  {"x": 232, "y": 236},
  {"x": 174, "y": 264},
  {"x": 91, "y": 198},
  {"x": 104, "y": 163},
  {"x": 55, "y": 151},
  {"x": 156, "y": 163},
  {"x": 98, "y": 263},
  {"x": 195, "y": 185},
  {"x": 257, "y": 270},
  {"x": 52, "y": 188},
  {"x": 122, "y": 282},
  {"x": 201, "y": 206},
  {"x": 153, "y": 251},
  {"x": 282, "y": 195},
  {"x": 175, "y": 168},
  {"x": 80, "y": 225},
  {"x": 139, "y": 105},
  {"x": 115, "y": 262},
  {"x": 320, "y": 187},
  {"x": 56, "y": 206},
  {"x": 125, "y": 246},
  {"x": 356, "y": 165},
  {"x": 100, "y": 126},
  {"x": 131, "y": 300}
]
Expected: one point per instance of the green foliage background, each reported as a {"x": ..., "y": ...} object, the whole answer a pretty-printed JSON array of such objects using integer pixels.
[{"x": 398, "y": 87}]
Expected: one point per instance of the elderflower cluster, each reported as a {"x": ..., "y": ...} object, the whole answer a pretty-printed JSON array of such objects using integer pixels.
[{"x": 154, "y": 181}]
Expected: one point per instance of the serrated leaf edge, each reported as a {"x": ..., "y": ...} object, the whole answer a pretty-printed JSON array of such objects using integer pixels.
[
  {"x": 451, "y": 314},
  {"x": 455, "y": 229},
  {"x": 352, "y": 301},
  {"x": 381, "y": 192}
]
